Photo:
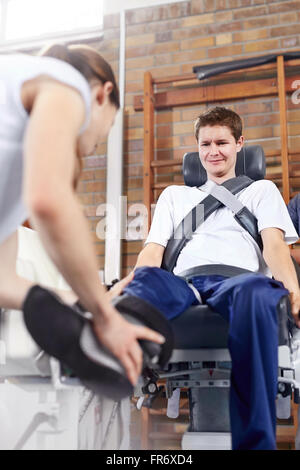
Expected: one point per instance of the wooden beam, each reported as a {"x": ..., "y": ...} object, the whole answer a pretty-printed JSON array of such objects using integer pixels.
[
  {"x": 175, "y": 78},
  {"x": 163, "y": 163},
  {"x": 145, "y": 425},
  {"x": 211, "y": 93},
  {"x": 283, "y": 128},
  {"x": 191, "y": 76},
  {"x": 148, "y": 143}
]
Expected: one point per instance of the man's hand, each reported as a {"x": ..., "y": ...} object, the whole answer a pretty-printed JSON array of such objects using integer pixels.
[
  {"x": 295, "y": 302},
  {"x": 121, "y": 338},
  {"x": 277, "y": 256},
  {"x": 117, "y": 288}
]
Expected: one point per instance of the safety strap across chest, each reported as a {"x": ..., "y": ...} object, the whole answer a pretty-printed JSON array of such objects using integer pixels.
[{"x": 220, "y": 196}]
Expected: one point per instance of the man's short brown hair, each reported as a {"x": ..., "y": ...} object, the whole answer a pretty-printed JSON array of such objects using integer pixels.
[{"x": 220, "y": 116}]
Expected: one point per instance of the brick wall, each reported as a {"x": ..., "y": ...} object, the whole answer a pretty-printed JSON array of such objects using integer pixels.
[{"x": 170, "y": 40}]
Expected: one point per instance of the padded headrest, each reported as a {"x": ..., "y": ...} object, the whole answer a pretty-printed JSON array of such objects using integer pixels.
[{"x": 250, "y": 162}]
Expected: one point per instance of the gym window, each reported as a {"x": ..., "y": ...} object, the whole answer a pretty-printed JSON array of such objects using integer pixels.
[{"x": 26, "y": 24}]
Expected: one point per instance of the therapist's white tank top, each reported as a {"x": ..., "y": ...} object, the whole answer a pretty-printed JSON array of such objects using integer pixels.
[{"x": 14, "y": 71}]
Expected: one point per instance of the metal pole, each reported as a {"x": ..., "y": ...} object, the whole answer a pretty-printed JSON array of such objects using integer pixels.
[{"x": 114, "y": 184}]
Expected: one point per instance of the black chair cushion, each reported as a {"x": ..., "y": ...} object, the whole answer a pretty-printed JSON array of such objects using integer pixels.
[{"x": 200, "y": 327}]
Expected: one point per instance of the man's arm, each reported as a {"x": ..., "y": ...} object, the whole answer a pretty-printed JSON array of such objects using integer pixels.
[
  {"x": 277, "y": 256},
  {"x": 151, "y": 255}
]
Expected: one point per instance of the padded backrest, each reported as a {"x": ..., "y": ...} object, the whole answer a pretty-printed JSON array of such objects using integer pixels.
[{"x": 250, "y": 162}]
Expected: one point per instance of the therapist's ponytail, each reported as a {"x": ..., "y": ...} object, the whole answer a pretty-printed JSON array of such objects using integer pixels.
[{"x": 88, "y": 62}]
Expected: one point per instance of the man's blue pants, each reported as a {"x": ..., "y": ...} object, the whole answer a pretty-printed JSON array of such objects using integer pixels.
[{"x": 249, "y": 303}]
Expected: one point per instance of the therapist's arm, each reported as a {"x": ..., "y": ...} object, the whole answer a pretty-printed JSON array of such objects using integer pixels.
[{"x": 277, "y": 256}]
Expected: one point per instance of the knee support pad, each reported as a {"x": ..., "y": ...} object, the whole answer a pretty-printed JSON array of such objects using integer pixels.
[{"x": 67, "y": 334}]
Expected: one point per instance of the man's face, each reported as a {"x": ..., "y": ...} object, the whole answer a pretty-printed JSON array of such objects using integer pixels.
[{"x": 217, "y": 150}]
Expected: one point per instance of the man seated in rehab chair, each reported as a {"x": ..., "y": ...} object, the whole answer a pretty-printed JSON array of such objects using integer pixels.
[{"x": 247, "y": 301}]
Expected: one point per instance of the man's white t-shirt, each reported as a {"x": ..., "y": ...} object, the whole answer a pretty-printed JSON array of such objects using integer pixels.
[
  {"x": 220, "y": 239},
  {"x": 16, "y": 69}
]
